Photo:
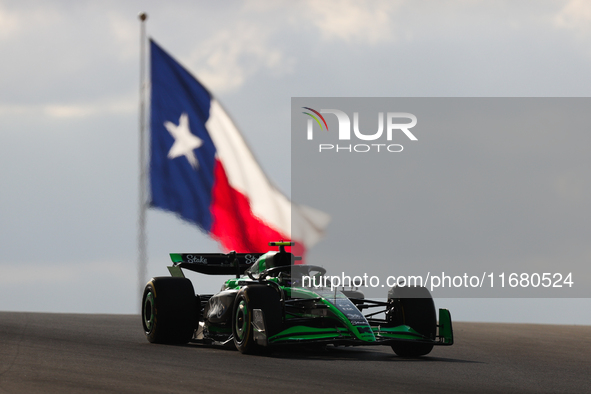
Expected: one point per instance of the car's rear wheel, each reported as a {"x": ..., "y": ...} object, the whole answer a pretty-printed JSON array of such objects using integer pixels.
[
  {"x": 265, "y": 298},
  {"x": 169, "y": 310},
  {"x": 414, "y": 307}
]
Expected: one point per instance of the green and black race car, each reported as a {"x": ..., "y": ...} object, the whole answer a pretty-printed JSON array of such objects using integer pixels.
[{"x": 266, "y": 305}]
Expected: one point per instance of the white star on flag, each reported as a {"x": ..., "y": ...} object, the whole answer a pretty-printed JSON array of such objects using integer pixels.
[{"x": 184, "y": 141}]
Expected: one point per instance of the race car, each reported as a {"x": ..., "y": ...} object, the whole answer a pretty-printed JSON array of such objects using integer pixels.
[{"x": 267, "y": 305}]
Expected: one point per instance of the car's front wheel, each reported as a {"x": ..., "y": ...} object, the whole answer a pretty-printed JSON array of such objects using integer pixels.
[
  {"x": 414, "y": 307},
  {"x": 249, "y": 298}
]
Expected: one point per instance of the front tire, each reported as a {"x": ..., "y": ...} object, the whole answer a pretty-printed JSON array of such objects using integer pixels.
[
  {"x": 414, "y": 307},
  {"x": 249, "y": 298},
  {"x": 169, "y": 310}
]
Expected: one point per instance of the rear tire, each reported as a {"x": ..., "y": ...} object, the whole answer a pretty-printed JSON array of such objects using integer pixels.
[
  {"x": 414, "y": 307},
  {"x": 249, "y": 298},
  {"x": 169, "y": 310}
]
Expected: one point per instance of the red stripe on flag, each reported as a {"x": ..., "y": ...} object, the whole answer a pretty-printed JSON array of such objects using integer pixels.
[{"x": 234, "y": 224}]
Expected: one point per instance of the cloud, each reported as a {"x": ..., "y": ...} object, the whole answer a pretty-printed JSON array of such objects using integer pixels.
[
  {"x": 14, "y": 22},
  {"x": 226, "y": 60},
  {"x": 9, "y": 23},
  {"x": 124, "y": 31},
  {"x": 36, "y": 273},
  {"x": 575, "y": 15},
  {"x": 117, "y": 105},
  {"x": 354, "y": 22}
]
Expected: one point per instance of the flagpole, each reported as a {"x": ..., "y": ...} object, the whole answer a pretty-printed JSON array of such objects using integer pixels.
[{"x": 141, "y": 239}]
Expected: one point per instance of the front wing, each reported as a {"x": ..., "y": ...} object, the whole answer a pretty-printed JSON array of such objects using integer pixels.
[{"x": 302, "y": 334}]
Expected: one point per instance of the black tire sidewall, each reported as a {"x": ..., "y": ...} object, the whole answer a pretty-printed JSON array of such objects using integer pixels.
[
  {"x": 416, "y": 309},
  {"x": 261, "y": 297},
  {"x": 174, "y": 309}
]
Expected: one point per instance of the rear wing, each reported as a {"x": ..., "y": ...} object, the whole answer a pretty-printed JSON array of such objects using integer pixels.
[{"x": 213, "y": 263}]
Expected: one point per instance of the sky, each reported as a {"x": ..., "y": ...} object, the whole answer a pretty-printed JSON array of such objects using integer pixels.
[{"x": 69, "y": 91}]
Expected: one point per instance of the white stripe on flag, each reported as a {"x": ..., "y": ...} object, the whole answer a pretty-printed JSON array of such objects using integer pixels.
[{"x": 245, "y": 176}]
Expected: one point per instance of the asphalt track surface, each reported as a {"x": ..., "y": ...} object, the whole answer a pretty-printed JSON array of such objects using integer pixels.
[{"x": 67, "y": 353}]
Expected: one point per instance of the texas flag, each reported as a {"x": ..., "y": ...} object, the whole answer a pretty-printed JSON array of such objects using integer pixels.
[{"x": 202, "y": 169}]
